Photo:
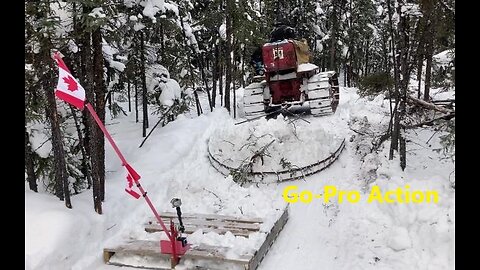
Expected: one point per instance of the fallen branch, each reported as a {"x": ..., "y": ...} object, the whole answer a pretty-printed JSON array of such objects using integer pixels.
[
  {"x": 430, "y": 122},
  {"x": 444, "y": 101},
  {"x": 261, "y": 152},
  {"x": 430, "y": 105},
  {"x": 161, "y": 118}
]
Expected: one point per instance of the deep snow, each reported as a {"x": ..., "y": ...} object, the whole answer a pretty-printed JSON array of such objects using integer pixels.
[{"x": 173, "y": 163}]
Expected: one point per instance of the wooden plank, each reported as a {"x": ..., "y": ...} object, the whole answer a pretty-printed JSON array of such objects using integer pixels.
[
  {"x": 149, "y": 248},
  {"x": 152, "y": 228},
  {"x": 216, "y": 253},
  {"x": 221, "y": 224},
  {"x": 271, "y": 237},
  {"x": 139, "y": 267},
  {"x": 212, "y": 217}
]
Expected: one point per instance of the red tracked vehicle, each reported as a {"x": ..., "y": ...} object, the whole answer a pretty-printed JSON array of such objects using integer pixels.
[{"x": 290, "y": 80}]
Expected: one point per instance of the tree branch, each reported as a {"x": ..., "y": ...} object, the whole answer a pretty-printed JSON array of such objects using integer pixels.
[{"x": 430, "y": 105}]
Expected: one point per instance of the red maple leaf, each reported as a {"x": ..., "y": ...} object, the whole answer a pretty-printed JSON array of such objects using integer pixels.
[{"x": 72, "y": 85}]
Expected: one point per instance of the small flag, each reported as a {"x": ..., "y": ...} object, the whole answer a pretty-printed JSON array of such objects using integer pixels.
[
  {"x": 68, "y": 88},
  {"x": 129, "y": 189}
]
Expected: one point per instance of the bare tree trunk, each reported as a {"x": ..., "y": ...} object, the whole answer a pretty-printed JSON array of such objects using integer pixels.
[
  {"x": 243, "y": 66},
  {"x": 403, "y": 152},
  {"x": 129, "y": 96},
  {"x": 234, "y": 95},
  {"x": 30, "y": 163},
  {"x": 367, "y": 56},
  {"x": 428, "y": 7},
  {"x": 405, "y": 69},
  {"x": 197, "y": 103},
  {"x": 91, "y": 129},
  {"x": 135, "y": 80},
  {"x": 87, "y": 83},
  {"x": 215, "y": 77},
  {"x": 61, "y": 185},
  {"x": 109, "y": 79},
  {"x": 428, "y": 73},
  {"x": 228, "y": 71},
  {"x": 396, "y": 94},
  {"x": 419, "y": 75},
  {"x": 86, "y": 169},
  {"x": 100, "y": 90},
  {"x": 333, "y": 38},
  {"x": 420, "y": 54},
  {"x": 144, "y": 85},
  {"x": 220, "y": 77}
]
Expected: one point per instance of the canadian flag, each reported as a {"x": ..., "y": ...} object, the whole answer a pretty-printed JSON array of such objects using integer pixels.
[{"x": 68, "y": 88}]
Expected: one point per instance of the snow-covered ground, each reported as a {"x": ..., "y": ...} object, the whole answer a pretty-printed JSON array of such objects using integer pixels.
[{"x": 174, "y": 163}]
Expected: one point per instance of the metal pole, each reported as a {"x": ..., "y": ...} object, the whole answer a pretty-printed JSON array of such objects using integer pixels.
[{"x": 130, "y": 170}]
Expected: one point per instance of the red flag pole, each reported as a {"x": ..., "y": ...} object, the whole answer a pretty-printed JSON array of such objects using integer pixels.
[{"x": 130, "y": 170}]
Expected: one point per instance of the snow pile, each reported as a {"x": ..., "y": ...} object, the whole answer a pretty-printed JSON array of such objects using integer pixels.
[
  {"x": 158, "y": 79},
  {"x": 284, "y": 142},
  {"x": 306, "y": 67},
  {"x": 171, "y": 91}
]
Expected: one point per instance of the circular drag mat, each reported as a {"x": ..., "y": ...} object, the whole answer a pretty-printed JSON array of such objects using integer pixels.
[{"x": 276, "y": 149}]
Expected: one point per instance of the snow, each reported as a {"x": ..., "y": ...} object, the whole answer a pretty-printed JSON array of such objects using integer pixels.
[
  {"x": 374, "y": 29},
  {"x": 191, "y": 40},
  {"x": 171, "y": 7},
  {"x": 318, "y": 31},
  {"x": 306, "y": 67},
  {"x": 152, "y": 7},
  {"x": 411, "y": 9},
  {"x": 130, "y": 3},
  {"x": 399, "y": 239},
  {"x": 223, "y": 31},
  {"x": 138, "y": 26},
  {"x": 319, "y": 46},
  {"x": 170, "y": 91},
  {"x": 39, "y": 140},
  {"x": 319, "y": 11},
  {"x": 72, "y": 46},
  {"x": 380, "y": 10},
  {"x": 97, "y": 13},
  {"x": 173, "y": 163},
  {"x": 444, "y": 58}
]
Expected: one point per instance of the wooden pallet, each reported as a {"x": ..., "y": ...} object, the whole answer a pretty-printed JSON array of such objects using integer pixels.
[{"x": 201, "y": 255}]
